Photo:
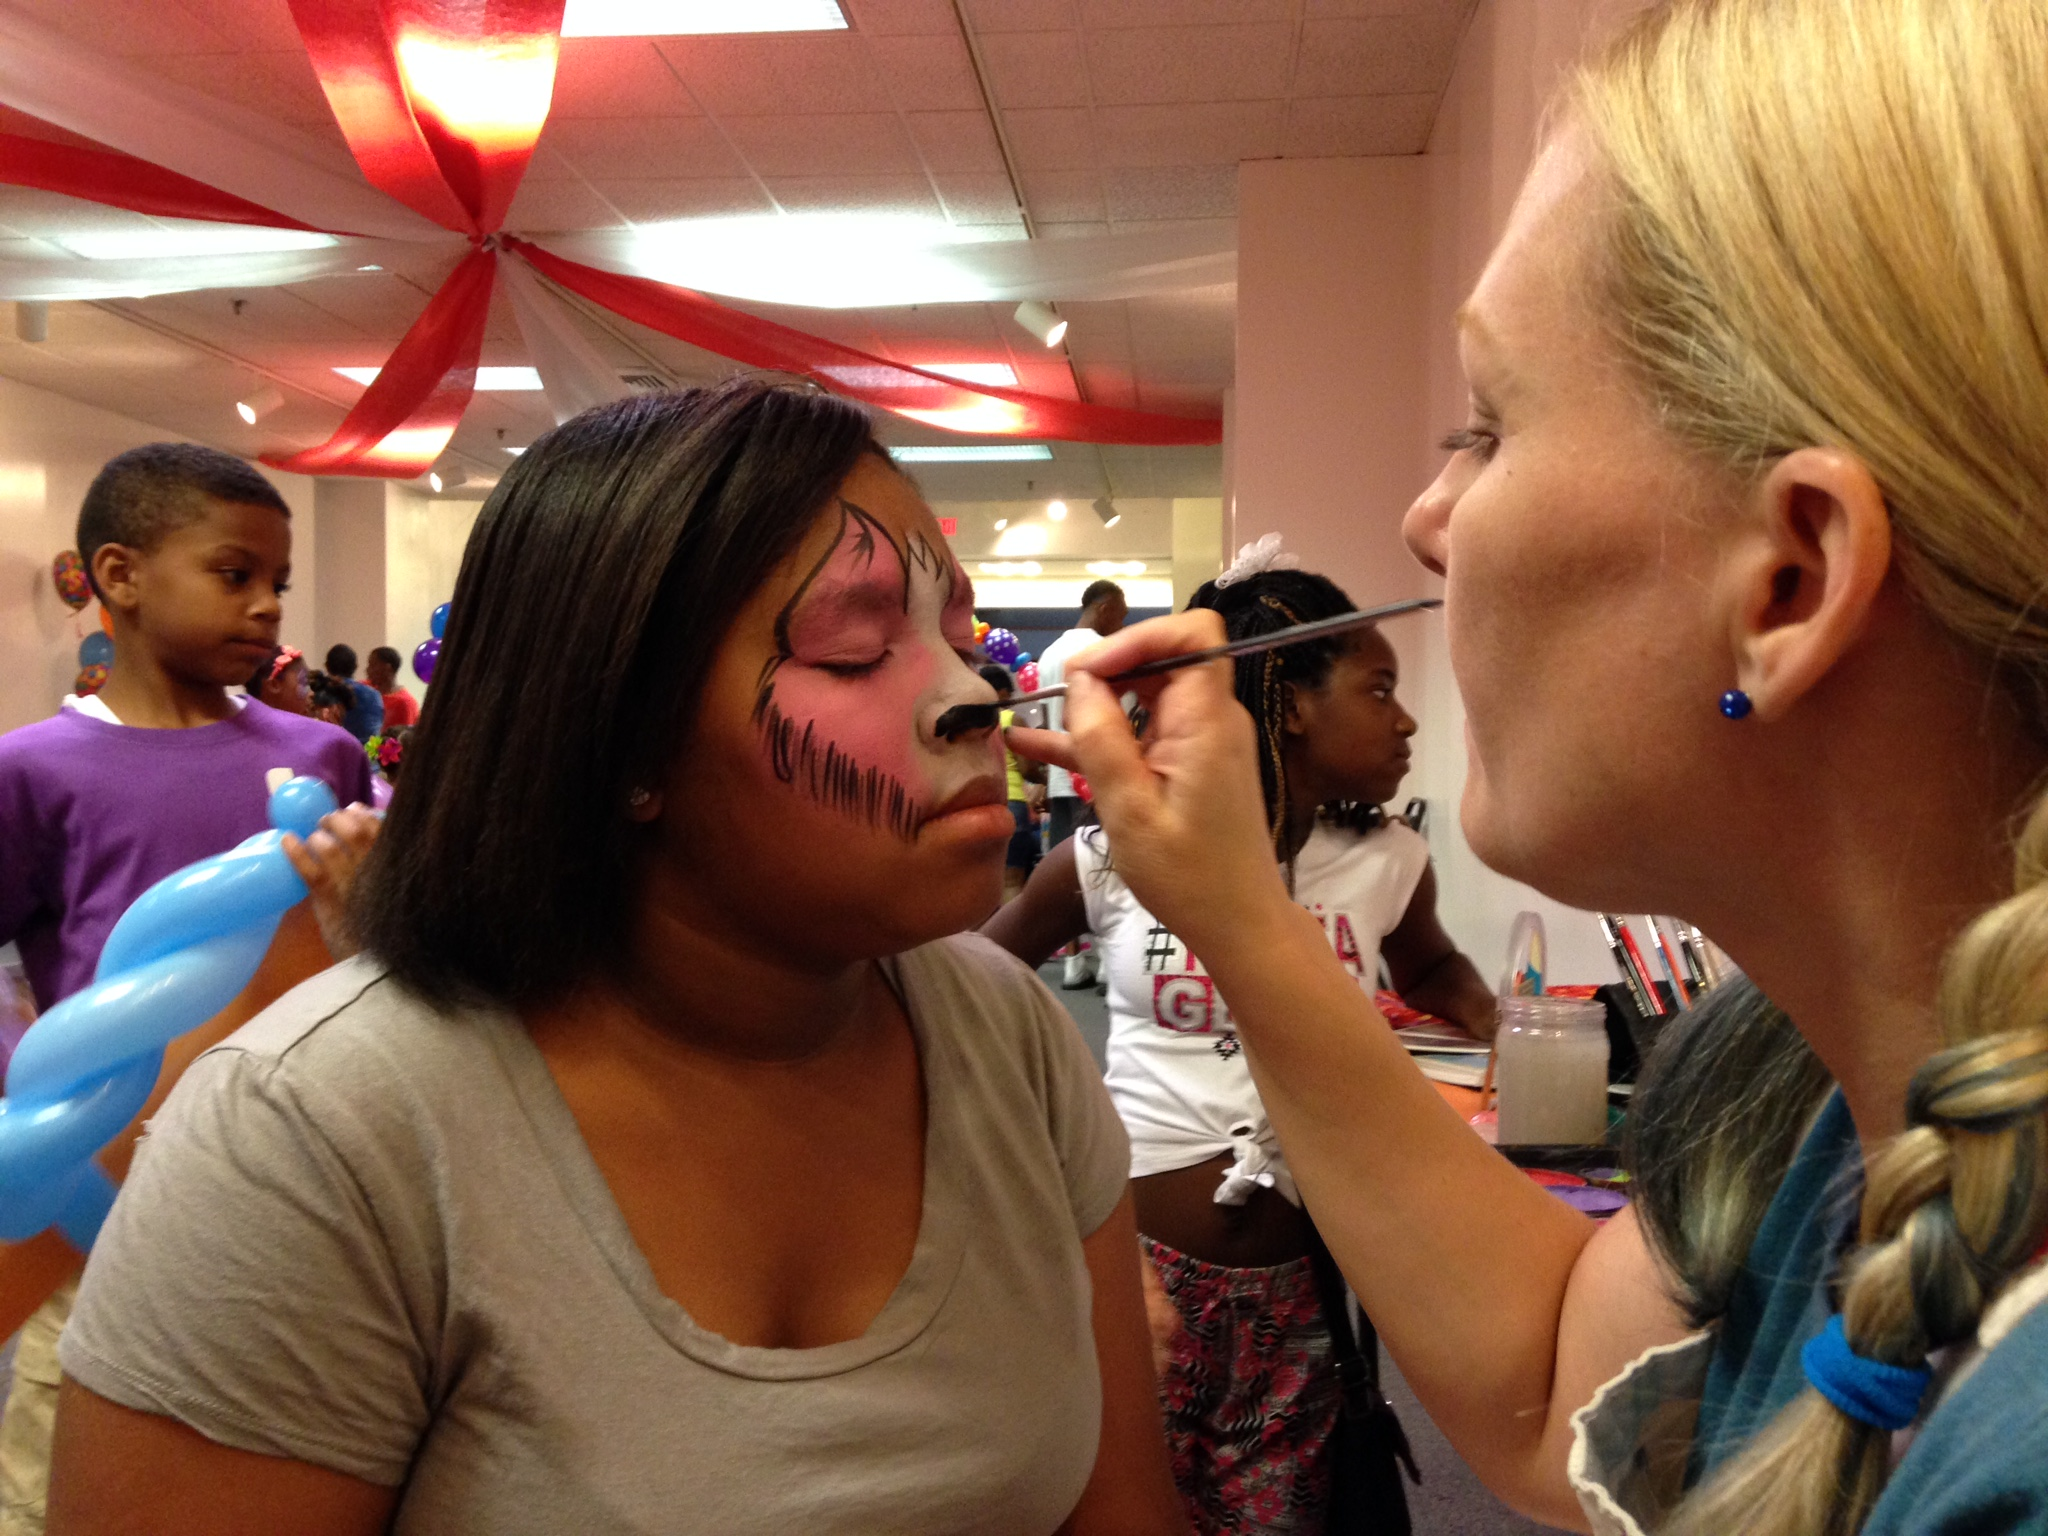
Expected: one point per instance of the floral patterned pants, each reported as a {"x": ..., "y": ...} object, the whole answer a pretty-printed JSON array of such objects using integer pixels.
[{"x": 1250, "y": 1396}]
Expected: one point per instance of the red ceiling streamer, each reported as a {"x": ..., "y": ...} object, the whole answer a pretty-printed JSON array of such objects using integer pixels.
[
  {"x": 411, "y": 408},
  {"x": 122, "y": 181},
  {"x": 441, "y": 101},
  {"x": 928, "y": 397}
]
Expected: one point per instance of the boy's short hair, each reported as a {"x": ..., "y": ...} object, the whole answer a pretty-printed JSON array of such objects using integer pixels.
[
  {"x": 387, "y": 654},
  {"x": 998, "y": 678},
  {"x": 141, "y": 495},
  {"x": 1096, "y": 591},
  {"x": 341, "y": 660}
]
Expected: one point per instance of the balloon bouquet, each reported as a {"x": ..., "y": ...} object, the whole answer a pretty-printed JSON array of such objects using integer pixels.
[{"x": 427, "y": 654}]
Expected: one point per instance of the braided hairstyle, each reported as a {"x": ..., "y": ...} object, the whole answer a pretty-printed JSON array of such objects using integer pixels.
[
  {"x": 1258, "y": 605},
  {"x": 1810, "y": 235}
]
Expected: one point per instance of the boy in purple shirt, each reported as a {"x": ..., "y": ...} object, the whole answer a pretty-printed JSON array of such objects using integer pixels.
[{"x": 189, "y": 550}]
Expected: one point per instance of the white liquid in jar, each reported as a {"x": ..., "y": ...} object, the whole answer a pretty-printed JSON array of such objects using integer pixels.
[{"x": 1553, "y": 1086}]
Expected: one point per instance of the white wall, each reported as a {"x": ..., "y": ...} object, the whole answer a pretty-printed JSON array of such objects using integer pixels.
[
  {"x": 1348, "y": 274},
  {"x": 423, "y": 544},
  {"x": 50, "y": 449}
]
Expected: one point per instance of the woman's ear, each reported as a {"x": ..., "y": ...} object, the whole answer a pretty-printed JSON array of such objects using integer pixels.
[
  {"x": 1801, "y": 584},
  {"x": 1292, "y": 721}
]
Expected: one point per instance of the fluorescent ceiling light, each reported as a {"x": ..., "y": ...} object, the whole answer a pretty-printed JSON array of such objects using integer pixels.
[
  {"x": 183, "y": 237},
  {"x": 974, "y": 373},
  {"x": 1010, "y": 568},
  {"x": 498, "y": 380},
  {"x": 515, "y": 452},
  {"x": 682, "y": 18},
  {"x": 820, "y": 260},
  {"x": 1116, "y": 568},
  {"x": 971, "y": 453}
]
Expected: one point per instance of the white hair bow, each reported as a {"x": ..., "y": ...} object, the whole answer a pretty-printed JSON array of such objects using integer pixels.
[{"x": 1264, "y": 555}]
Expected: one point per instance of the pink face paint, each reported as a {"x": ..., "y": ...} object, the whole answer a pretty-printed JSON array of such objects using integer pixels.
[{"x": 867, "y": 650}]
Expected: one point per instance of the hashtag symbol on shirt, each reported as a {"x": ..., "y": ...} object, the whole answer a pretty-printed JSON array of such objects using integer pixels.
[{"x": 1159, "y": 947}]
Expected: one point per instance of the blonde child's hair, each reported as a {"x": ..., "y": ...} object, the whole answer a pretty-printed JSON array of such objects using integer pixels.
[{"x": 1827, "y": 223}]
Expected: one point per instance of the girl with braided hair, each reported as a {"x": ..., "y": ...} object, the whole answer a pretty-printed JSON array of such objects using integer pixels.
[
  {"x": 1250, "y": 1385},
  {"x": 1745, "y": 543}
]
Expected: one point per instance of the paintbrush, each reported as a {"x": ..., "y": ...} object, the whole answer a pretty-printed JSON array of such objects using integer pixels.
[{"x": 962, "y": 718}]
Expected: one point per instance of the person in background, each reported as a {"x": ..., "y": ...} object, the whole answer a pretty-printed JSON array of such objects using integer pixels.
[
  {"x": 189, "y": 550},
  {"x": 1250, "y": 1385},
  {"x": 364, "y": 716},
  {"x": 1023, "y": 780},
  {"x": 381, "y": 673},
  {"x": 281, "y": 682},
  {"x": 676, "y": 1164},
  {"x": 1745, "y": 544},
  {"x": 1103, "y": 611},
  {"x": 329, "y": 698}
]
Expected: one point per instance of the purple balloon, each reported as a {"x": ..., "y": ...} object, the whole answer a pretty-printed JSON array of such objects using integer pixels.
[
  {"x": 1001, "y": 647},
  {"x": 425, "y": 657}
]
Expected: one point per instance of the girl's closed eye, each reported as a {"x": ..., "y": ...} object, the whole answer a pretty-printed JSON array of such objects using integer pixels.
[{"x": 1477, "y": 441}]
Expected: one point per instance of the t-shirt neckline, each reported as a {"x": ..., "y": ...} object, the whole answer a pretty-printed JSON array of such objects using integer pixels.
[{"x": 912, "y": 1306}]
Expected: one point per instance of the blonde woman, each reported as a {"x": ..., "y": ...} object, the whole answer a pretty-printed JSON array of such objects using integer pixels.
[{"x": 1746, "y": 547}]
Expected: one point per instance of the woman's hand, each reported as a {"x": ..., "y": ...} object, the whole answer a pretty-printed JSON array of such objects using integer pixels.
[
  {"x": 327, "y": 861},
  {"x": 1184, "y": 813}
]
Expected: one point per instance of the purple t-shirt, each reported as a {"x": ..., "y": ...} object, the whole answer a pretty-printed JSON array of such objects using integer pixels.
[{"x": 93, "y": 814}]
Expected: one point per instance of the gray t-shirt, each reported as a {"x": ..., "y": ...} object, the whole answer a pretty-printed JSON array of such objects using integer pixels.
[{"x": 368, "y": 1235}]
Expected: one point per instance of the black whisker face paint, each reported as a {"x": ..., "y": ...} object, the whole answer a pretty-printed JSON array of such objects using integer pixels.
[{"x": 962, "y": 718}]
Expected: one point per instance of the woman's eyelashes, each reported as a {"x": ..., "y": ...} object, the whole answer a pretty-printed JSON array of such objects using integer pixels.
[
  {"x": 1478, "y": 441},
  {"x": 850, "y": 668}
]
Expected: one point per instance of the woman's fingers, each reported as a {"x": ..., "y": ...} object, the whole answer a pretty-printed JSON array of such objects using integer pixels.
[
  {"x": 327, "y": 861},
  {"x": 1053, "y": 747}
]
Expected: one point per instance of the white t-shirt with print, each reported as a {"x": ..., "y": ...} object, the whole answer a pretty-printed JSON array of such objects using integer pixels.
[{"x": 1177, "y": 1071}]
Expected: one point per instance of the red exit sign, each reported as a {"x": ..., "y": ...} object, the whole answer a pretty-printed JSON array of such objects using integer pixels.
[{"x": 949, "y": 526}]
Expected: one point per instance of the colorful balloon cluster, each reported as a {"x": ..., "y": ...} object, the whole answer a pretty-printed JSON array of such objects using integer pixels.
[
  {"x": 67, "y": 572},
  {"x": 1002, "y": 647},
  {"x": 427, "y": 654},
  {"x": 980, "y": 630},
  {"x": 177, "y": 957},
  {"x": 1027, "y": 677}
]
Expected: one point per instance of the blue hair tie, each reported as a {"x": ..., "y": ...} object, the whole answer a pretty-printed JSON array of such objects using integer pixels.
[{"x": 1882, "y": 1396}]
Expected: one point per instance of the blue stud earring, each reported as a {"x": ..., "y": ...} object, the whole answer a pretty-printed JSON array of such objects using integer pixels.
[{"x": 1735, "y": 704}]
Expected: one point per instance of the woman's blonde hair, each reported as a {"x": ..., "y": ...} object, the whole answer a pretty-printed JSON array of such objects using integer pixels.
[{"x": 1828, "y": 224}]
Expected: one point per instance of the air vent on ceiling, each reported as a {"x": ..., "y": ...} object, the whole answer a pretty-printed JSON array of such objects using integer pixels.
[{"x": 646, "y": 383}]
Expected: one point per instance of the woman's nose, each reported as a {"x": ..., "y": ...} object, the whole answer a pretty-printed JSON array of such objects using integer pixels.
[{"x": 1427, "y": 525}]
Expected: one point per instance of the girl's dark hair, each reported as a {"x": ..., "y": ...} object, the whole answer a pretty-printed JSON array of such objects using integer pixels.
[
  {"x": 1723, "y": 1101},
  {"x": 597, "y": 585},
  {"x": 1258, "y": 605}
]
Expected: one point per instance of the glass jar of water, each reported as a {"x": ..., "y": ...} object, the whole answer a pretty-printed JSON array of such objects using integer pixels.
[{"x": 1551, "y": 1070}]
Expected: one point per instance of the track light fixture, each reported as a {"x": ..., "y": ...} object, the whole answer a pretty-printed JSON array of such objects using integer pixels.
[
  {"x": 32, "y": 319},
  {"x": 1042, "y": 321},
  {"x": 253, "y": 408},
  {"x": 1106, "y": 510}
]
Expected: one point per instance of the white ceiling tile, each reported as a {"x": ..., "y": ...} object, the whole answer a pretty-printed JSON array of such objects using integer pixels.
[
  {"x": 258, "y": 24},
  {"x": 817, "y": 71},
  {"x": 1219, "y": 133},
  {"x": 1072, "y": 230},
  {"x": 955, "y": 141},
  {"x": 992, "y": 16},
  {"x": 1186, "y": 13},
  {"x": 1036, "y": 69},
  {"x": 653, "y": 201},
  {"x": 1323, "y": 126},
  {"x": 1064, "y": 197},
  {"x": 1242, "y": 63},
  {"x": 1171, "y": 192},
  {"x": 543, "y": 206},
  {"x": 1109, "y": 384},
  {"x": 910, "y": 195},
  {"x": 643, "y": 147},
  {"x": 1376, "y": 56},
  {"x": 881, "y": 18},
  {"x": 615, "y": 77},
  {"x": 927, "y": 73},
  {"x": 849, "y": 143},
  {"x": 129, "y": 28},
  {"x": 1051, "y": 139},
  {"x": 977, "y": 197}
]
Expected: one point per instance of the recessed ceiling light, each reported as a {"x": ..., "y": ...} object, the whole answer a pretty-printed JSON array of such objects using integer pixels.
[
  {"x": 515, "y": 452},
  {"x": 971, "y": 453},
  {"x": 1002, "y": 523},
  {"x": 1056, "y": 510},
  {"x": 497, "y": 380},
  {"x": 681, "y": 18}
]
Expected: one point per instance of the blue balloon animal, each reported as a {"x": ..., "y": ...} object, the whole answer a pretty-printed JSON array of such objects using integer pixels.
[{"x": 177, "y": 957}]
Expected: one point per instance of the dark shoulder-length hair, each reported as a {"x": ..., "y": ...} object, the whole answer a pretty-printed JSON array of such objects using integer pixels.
[
  {"x": 1258, "y": 605},
  {"x": 597, "y": 585}
]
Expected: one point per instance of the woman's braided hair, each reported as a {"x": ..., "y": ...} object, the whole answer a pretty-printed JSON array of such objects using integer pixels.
[
  {"x": 1826, "y": 224},
  {"x": 1258, "y": 605}
]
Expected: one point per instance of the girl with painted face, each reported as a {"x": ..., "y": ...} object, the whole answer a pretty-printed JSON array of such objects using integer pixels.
[
  {"x": 1744, "y": 542},
  {"x": 663, "y": 1166},
  {"x": 1250, "y": 1387}
]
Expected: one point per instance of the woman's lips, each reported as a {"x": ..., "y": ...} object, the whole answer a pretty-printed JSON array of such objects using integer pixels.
[{"x": 980, "y": 808}]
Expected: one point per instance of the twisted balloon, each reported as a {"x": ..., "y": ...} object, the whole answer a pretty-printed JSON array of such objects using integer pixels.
[{"x": 178, "y": 956}]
